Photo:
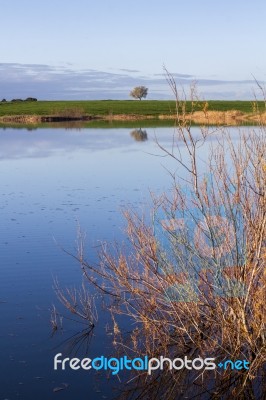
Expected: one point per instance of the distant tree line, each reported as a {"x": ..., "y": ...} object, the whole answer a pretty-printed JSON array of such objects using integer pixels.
[{"x": 18, "y": 100}]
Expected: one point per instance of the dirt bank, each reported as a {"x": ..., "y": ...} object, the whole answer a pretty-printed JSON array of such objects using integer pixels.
[{"x": 199, "y": 117}]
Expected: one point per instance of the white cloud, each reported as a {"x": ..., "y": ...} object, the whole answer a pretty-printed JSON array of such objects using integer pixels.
[{"x": 64, "y": 82}]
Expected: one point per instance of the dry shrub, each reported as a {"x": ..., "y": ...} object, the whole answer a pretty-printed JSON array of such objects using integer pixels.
[{"x": 192, "y": 282}]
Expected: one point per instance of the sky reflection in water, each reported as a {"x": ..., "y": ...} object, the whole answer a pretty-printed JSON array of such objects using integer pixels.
[{"x": 51, "y": 181}]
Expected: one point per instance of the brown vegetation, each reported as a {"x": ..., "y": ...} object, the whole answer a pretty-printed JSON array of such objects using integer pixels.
[
  {"x": 193, "y": 282},
  {"x": 225, "y": 118}
]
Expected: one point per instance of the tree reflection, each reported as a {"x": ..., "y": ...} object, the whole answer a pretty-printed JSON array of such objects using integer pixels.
[
  {"x": 140, "y": 135},
  {"x": 79, "y": 342}
]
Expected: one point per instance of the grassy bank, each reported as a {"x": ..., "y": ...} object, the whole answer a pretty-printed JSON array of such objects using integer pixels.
[
  {"x": 117, "y": 107},
  {"x": 210, "y": 113}
]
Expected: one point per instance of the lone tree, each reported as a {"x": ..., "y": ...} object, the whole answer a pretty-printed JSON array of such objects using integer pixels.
[{"x": 139, "y": 92}]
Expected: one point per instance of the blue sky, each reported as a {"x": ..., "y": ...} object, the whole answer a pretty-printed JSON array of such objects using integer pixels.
[{"x": 101, "y": 49}]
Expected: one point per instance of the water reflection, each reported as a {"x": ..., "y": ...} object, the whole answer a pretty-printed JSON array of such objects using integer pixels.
[
  {"x": 51, "y": 178},
  {"x": 140, "y": 135},
  {"x": 78, "y": 343},
  {"x": 37, "y": 143},
  {"x": 47, "y": 142}
]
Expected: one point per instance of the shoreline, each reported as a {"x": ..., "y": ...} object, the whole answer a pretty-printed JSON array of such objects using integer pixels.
[{"x": 233, "y": 117}]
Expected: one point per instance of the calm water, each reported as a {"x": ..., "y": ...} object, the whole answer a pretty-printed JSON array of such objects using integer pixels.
[{"x": 51, "y": 181}]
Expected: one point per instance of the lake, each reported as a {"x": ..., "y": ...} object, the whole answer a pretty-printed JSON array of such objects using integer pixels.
[{"x": 52, "y": 181}]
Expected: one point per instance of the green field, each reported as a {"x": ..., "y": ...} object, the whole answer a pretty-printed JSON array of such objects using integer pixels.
[{"x": 114, "y": 107}]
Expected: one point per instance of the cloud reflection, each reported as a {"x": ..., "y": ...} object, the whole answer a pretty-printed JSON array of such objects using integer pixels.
[{"x": 38, "y": 143}]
